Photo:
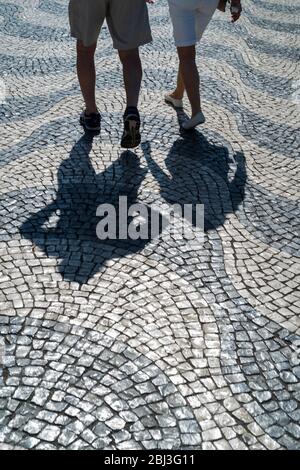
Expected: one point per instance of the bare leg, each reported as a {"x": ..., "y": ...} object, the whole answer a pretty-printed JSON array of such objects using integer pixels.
[
  {"x": 180, "y": 88},
  {"x": 190, "y": 76},
  {"x": 87, "y": 75},
  {"x": 132, "y": 73}
]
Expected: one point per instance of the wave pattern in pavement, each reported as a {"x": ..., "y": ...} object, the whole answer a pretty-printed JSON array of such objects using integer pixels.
[{"x": 161, "y": 343}]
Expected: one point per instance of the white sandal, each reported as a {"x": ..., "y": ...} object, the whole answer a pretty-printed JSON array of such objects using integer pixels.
[
  {"x": 194, "y": 122},
  {"x": 173, "y": 101}
]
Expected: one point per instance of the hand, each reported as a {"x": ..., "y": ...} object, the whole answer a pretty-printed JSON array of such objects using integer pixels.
[{"x": 235, "y": 10}]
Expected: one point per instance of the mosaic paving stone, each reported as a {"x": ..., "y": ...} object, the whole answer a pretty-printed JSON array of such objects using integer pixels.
[{"x": 167, "y": 342}]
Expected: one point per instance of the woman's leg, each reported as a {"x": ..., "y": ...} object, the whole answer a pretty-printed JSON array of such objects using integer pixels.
[
  {"x": 180, "y": 88},
  {"x": 190, "y": 76}
]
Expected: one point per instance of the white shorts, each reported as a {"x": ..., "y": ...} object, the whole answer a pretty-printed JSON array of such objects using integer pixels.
[{"x": 190, "y": 18}]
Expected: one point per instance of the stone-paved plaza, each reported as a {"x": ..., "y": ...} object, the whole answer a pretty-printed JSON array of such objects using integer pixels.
[{"x": 162, "y": 343}]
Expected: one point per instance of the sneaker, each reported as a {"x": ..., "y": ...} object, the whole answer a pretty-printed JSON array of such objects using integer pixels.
[
  {"x": 193, "y": 122},
  {"x": 91, "y": 122},
  {"x": 131, "y": 136},
  {"x": 174, "y": 102}
]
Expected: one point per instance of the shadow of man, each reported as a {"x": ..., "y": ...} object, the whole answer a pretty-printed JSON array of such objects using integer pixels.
[
  {"x": 200, "y": 172},
  {"x": 66, "y": 228}
]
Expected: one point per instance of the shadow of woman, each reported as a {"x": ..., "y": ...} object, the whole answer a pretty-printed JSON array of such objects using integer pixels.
[
  {"x": 66, "y": 228},
  {"x": 200, "y": 172}
]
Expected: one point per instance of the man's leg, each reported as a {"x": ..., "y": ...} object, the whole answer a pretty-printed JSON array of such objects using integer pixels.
[
  {"x": 190, "y": 75},
  {"x": 132, "y": 73},
  {"x": 87, "y": 75}
]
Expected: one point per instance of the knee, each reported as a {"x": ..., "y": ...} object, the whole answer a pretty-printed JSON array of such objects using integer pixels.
[
  {"x": 187, "y": 54},
  {"x": 130, "y": 58},
  {"x": 84, "y": 51}
]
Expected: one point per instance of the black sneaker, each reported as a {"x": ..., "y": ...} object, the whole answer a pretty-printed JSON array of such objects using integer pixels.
[
  {"x": 91, "y": 122},
  {"x": 131, "y": 136}
]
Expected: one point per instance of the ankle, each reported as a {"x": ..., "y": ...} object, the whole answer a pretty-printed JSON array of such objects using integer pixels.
[
  {"x": 177, "y": 95},
  {"x": 131, "y": 110},
  {"x": 131, "y": 107},
  {"x": 196, "y": 111},
  {"x": 91, "y": 110}
]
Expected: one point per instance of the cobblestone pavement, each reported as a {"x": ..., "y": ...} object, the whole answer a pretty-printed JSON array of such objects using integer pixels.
[{"x": 165, "y": 343}]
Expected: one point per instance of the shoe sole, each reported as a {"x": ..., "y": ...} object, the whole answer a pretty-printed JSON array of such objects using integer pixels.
[
  {"x": 172, "y": 104},
  {"x": 193, "y": 127},
  {"x": 131, "y": 137}
]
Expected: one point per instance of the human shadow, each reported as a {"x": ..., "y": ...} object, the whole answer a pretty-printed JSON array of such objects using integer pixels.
[
  {"x": 197, "y": 172},
  {"x": 200, "y": 172},
  {"x": 66, "y": 228}
]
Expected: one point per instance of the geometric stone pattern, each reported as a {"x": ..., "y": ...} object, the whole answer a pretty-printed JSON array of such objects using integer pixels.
[
  {"x": 82, "y": 389},
  {"x": 166, "y": 343}
]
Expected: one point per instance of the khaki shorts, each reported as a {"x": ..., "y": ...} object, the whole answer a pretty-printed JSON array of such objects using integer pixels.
[{"x": 127, "y": 20}]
